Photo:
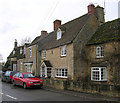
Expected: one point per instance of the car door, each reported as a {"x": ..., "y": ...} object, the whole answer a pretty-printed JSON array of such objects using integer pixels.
[
  {"x": 16, "y": 78},
  {"x": 20, "y": 80}
]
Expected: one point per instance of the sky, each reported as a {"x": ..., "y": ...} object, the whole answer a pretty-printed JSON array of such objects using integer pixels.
[{"x": 21, "y": 19}]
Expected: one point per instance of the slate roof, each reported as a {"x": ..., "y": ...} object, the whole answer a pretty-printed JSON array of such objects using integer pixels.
[
  {"x": 106, "y": 32},
  {"x": 47, "y": 63},
  {"x": 17, "y": 53},
  {"x": 37, "y": 39},
  {"x": 70, "y": 31}
]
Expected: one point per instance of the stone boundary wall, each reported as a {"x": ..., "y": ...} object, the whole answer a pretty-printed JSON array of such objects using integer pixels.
[{"x": 96, "y": 88}]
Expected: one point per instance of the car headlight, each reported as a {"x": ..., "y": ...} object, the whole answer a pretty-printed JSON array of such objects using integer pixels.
[
  {"x": 30, "y": 82},
  {"x": 40, "y": 81}
]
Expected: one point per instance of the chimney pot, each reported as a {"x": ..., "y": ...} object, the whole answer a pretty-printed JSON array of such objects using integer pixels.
[
  {"x": 43, "y": 32},
  {"x": 15, "y": 44},
  {"x": 56, "y": 24},
  {"x": 91, "y": 9}
]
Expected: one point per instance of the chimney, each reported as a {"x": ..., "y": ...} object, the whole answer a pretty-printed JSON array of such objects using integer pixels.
[
  {"x": 91, "y": 9},
  {"x": 15, "y": 44},
  {"x": 56, "y": 24},
  {"x": 43, "y": 32}
]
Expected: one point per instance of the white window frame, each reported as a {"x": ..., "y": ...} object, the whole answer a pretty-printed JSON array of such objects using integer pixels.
[
  {"x": 61, "y": 73},
  {"x": 30, "y": 48},
  {"x": 44, "y": 54},
  {"x": 59, "y": 34},
  {"x": 99, "y": 52},
  {"x": 63, "y": 50},
  {"x": 21, "y": 66},
  {"x": 21, "y": 51},
  {"x": 13, "y": 52},
  {"x": 24, "y": 50},
  {"x": 98, "y": 74}
]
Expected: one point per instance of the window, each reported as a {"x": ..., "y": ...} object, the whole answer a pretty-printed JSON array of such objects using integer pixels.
[
  {"x": 49, "y": 72},
  {"x": 98, "y": 74},
  {"x": 59, "y": 34},
  {"x": 30, "y": 52},
  {"x": 24, "y": 50},
  {"x": 21, "y": 66},
  {"x": 61, "y": 73},
  {"x": 21, "y": 51},
  {"x": 63, "y": 51},
  {"x": 13, "y": 52},
  {"x": 100, "y": 52},
  {"x": 44, "y": 54}
]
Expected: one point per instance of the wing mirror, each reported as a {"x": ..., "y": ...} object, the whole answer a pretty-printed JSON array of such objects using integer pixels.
[{"x": 21, "y": 77}]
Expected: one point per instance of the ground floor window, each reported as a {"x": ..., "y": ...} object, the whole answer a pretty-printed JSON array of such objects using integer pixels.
[
  {"x": 98, "y": 74},
  {"x": 45, "y": 71},
  {"x": 61, "y": 73},
  {"x": 28, "y": 67}
]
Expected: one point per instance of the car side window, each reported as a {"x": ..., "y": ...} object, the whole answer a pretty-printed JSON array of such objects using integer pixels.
[
  {"x": 17, "y": 75},
  {"x": 20, "y": 75}
]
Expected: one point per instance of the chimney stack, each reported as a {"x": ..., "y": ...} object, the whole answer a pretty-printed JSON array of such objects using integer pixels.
[
  {"x": 43, "y": 32},
  {"x": 91, "y": 9},
  {"x": 56, "y": 24},
  {"x": 15, "y": 44}
]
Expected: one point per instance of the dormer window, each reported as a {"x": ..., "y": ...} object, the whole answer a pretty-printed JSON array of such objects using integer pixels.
[
  {"x": 59, "y": 34},
  {"x": 21, "y": 51},
  {"x": 13, "y": 52}
]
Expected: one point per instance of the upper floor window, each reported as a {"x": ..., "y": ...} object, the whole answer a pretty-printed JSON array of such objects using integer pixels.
[
  {"x": 63, "y": 50},
  {"x": 21, "y": 51},
  {"x": 30, "y": 51},
  {"x": 99, "y": 52},
  {"x": 44, "y": 54},
  {"x": 24, "y": 50},
  {"x": 98, "y": 74},
  {"x": 59, "y": 34}
]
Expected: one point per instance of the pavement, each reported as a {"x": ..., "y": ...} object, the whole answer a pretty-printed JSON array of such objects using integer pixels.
[{"x": 84, "y": 95}]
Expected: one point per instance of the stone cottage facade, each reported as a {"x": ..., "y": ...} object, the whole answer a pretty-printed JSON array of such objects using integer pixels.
[
  {"x": 104, "y": 54},
  {"x": 61, "y": 51}
]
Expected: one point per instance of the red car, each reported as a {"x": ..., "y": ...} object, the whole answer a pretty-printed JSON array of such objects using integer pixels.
[{"x": 27, "y": 80}]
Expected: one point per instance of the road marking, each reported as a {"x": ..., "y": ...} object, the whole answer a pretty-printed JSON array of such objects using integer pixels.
[
  {"x": 1, "y": 93},
  {"x": 11, "y": 97},
  {"x": 8, "y": 96}
]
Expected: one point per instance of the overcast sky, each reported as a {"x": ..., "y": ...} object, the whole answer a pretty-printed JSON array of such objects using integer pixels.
[{"x": 26, "y": 18}]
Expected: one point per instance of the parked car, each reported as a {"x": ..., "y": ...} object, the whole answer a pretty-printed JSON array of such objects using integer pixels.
[
  {"x": 3, "y": 78},
  {"x": 9, "y": 75},
  {"x": 27, "y": 80}
]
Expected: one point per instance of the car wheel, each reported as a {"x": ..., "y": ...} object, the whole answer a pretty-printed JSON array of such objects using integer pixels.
[
  {"x": 7, "y": 80},
  {"x": 24, "y": 86},
  {"x": 13, "y": 83}
]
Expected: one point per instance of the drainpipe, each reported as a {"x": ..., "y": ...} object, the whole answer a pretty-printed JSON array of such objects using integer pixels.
[{"x": 37, "y": 61}]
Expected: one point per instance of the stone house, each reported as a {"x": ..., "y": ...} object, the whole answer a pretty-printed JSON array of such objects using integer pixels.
[
  {"x": 31, "y": 61},
  {"x": 104, "y": 54},
  {"x": 17, "y": 57},
  {"x": 61, "y": 51}
]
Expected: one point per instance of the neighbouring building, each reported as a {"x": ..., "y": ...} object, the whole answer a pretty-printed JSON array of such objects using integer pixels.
[
  {"x": 61, "y": 53},
  {"x": 31, "y": 60},
  {"x": 103, "y": 54}
]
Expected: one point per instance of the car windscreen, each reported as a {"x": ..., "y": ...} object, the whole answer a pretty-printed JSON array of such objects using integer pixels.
[
  {"x": 7, "y": 73},
  {"x": 28, "y": 76}
]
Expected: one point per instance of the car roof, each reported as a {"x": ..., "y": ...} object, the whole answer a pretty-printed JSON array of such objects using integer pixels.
[{"x": 25, "y": 72}]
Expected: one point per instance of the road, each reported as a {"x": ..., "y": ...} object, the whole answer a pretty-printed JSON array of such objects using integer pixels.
[{"x": 17, "y": 93}]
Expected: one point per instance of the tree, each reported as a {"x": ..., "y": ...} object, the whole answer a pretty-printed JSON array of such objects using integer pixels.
[{"x": 25, "y": 40}]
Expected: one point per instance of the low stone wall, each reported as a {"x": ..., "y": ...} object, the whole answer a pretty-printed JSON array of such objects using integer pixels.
[{"x": 104, "y": 89}]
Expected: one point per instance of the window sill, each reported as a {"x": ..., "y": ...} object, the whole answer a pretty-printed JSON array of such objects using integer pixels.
[
  {"x": 61, "y": 77},
  {"x": 63, "y": 56}
]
